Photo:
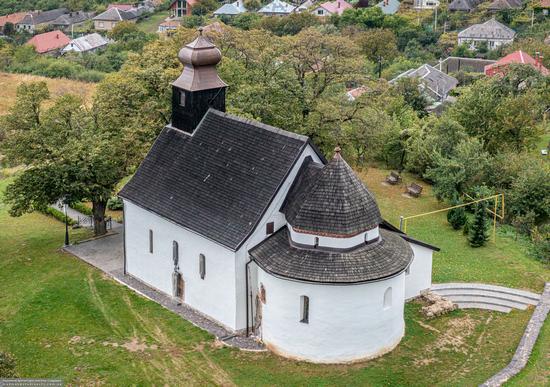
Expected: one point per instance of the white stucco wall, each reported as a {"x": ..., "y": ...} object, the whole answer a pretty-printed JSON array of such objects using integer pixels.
[
  {"x": 338, "y": 243},
  {"x": 346, "y": 323},
  {"x": 214, "y": 295},
  {"x": 419, "y": 275},
  {"x": 271, "y": 215}
]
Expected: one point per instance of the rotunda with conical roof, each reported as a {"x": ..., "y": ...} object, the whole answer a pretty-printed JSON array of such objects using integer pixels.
[{"x": 332, "y": 282}]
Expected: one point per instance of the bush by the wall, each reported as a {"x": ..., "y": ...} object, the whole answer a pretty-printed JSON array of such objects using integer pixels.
[
  {"x": 57, "y": 215},
  {"x": 457, "y": 217},
  {"x": 82, "y": 208}
]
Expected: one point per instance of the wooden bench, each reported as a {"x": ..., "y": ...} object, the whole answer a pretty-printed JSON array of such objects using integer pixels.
[
  {"x": 393, "y": 178},
  {"x": 414, "y": 189}
]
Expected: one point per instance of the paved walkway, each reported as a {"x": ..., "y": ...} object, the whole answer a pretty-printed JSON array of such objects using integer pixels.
[
  {"x": 74, "y": 215},
  {"x": 106, "y": 253},
  {"x": 528, "y": 340}
]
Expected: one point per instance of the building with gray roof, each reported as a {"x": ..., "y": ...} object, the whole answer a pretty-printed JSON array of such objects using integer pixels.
[
  {"x": 87, "y": 43},
  {"x": 492, "y": 32},
  {"x": 389, "y": 7},
  {"x": 34, "y": 20},
  {"x": 277, "y": 8},
  {"x": 231, "y": 9}
]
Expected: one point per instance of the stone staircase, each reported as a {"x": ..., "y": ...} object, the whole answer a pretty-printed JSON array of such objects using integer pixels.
[{"x": 482, "y": 296}]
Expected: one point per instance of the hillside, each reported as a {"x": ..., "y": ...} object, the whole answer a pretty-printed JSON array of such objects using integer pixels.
[
  {"x": 57, "y": 87},
  {"x": 10, "y": 6}
]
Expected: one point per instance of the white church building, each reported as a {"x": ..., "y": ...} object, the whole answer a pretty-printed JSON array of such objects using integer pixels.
[{"x": 251, "y": 226}]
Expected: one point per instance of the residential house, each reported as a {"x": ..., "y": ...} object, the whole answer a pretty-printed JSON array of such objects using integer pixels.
[
  {"x": 425, "y": 4},
  {"x": 517, "y": 57},
  {"x": 389, "y": 7},
  {"x": 542, "y": 6},
  {"x": 433, "y": 83},
  {"x": 455, "y": 64},
  {"x": 501, "y": 5},
  {"x": 277, "y": 8},
  {"x": 251, "y": 226},
  {"x": 330, "y": 8},
  {"x": 306, "y": 5},
  {"x": 40, "y": 19},
  {"x": 87, "y": 43},
  {"x": 181, "y": 8},
  {"x": 121, "y": 7},
  {"x": 231, "y": 9},
  {"x": 492, "y": 32},
  {"x": 168, "y": 25},
  {"x": 463, "y": 5},
  {"x": 72, "y": 19},
  {"x": 107, "y": 20},
  {"x": 49, "y": 42},
  {"x": 13, "y": 18}
]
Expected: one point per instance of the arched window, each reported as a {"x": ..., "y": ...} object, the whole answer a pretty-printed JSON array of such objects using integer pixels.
[
  {"x": 202, "y": 265},
  {"x": 387, "y": 298},
  {"x": 316, "y": 242},
  {"x": 151, "y": 241},
  {"x": 175, "y": 253}
]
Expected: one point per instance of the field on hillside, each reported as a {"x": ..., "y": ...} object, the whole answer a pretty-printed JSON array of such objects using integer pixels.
[
  {"x": 62, "y": 318},
  {"x": 57, "y": 87}
]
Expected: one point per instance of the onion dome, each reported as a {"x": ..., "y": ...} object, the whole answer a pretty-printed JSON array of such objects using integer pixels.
[
  {"x": 199, "y": 59},
  {"x": 332, "y": 201}
]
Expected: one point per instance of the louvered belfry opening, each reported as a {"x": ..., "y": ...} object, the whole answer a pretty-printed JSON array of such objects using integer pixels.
[{"x": 199, "y": 86}]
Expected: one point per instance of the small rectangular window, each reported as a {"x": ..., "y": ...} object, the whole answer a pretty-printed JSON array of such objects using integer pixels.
[
  {"x": 182, "y": 98},
  {"x": 316, "y": 242},
  {"x": 175, "y": 253},
  {"x": 269, "y": 228},
  {"x": 304, "y": 308},
  {"x": 151, "y": 241},
  {"x": 202, "y": 265}
]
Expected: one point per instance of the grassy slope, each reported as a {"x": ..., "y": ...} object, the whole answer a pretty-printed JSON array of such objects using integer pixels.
[
  {"x": 47, "y": 298},
  {"x": 151, "y": 25},
  {"x": 9, "y": 83}
]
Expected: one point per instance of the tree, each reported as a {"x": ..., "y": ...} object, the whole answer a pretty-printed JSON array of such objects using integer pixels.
[
  {"x": 457, "y": 216},
  {"x": 378, "y": 43},
  {"x": 69, "y": 155},
  {"x": 409, "y": 89},
  {"x": 478, "y": 228},
  {"x": 9, "y": 29}
]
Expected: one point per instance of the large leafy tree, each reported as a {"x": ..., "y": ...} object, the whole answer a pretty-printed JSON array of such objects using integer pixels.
[{"x": 68, "y": 155}]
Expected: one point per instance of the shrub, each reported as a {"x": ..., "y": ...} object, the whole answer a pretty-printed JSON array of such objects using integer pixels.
[
  {"x": 53, "y": 212},
  {"x": 457, "y": 217},
  {"x": 82, "y": 208},
  {"x": 541, "y": 243},
  {"x": 7, "y": 365},
  {"x": 477, "y": 230},
  {"x": 115, "y": 204}
]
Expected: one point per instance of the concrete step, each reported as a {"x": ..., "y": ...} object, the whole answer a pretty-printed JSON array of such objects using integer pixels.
[
  {"x": 451, "y": 293},
  {"x": 480, "y": 305},
  {"x": 533, "y": 297},
  {"x": 468, "y": 299}
]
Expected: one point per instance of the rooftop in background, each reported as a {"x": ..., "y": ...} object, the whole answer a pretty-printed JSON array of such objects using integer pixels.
[
  {"x": 71, "y": 18},
  {"x": 454, "y": 64},
  {"x": 49, "y": 41},
  {"x": 435, "y": 83},
  {"x": 86, "y": 43},
  {"x": 491, "y": 29},
  {"x": 336, "y": 7},
  {"x": 277, "y": 7},
  {"x": 498, "y": 5},
  {"x": 463, "y": 5},
  {"x": 40, "y": 17},
  {"x": 517, "y": 57},
  {"x": 389, "y": 7},
  {"x": 115, "y": 14},
  {"x": 13, "y": 18},
  {"x": 231, "y": 9},
  {"x": 122, "y": 7}
]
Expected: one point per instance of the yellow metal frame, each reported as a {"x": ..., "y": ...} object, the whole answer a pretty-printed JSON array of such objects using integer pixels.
[{"x": 404, "y": 219}]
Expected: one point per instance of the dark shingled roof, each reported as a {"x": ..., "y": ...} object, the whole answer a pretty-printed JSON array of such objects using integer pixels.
[
  {"x": 218, "y": 182},
  {"x": 331, "y": 200},
  {"x": 370, "y": 262}
]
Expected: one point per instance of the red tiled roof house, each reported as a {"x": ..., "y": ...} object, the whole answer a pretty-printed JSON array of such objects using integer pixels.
[
  {"x": 518, "y": 57},
  {"x": 331, "y": 8},
  {"x": 49, "y": 42}
]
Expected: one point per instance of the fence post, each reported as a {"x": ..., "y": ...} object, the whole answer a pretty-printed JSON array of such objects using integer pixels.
[{"x": 401, "y": 223}]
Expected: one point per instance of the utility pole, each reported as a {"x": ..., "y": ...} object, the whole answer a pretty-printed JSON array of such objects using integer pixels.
[
  {"x": 379, "y": 66},
  {"x": 435, "y": 20}
]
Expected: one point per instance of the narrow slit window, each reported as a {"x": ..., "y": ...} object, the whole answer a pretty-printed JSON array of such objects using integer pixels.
[
  {"x": 387, "y": 298},
  {"x": 175, "y": 253},
  {"x": 151, "y": 241},
  {"x": 316, "y": 242},
  {"x": 202, "y": 265},
  {"x": 304, "y": 309},
  {"x": 269, "y": 228},
  {"x": 182, "y": 98}
]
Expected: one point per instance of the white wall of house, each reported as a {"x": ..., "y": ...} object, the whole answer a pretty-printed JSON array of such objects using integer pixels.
[
  {"x": 491, "y": 43},
  {"x": 320, "y": 11},
  {"x": 330, "y": 242},
  {"x": 345, "y": 323},
  {"x": 272, "y": 215},
  {"x": 214, "y": 295},
  {"x": 419, "y": 274}
]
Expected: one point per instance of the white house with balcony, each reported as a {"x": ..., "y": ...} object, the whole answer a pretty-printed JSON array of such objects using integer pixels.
[{"x": 251, "y": 226}]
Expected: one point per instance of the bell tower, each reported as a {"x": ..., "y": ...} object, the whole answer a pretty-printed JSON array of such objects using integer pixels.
[{"x": 199, "y": 87}]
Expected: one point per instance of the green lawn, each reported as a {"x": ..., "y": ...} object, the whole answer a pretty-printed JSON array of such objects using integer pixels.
[
  {"x": 151, "y": 24},
  {"x": 63, "y": 319}
]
